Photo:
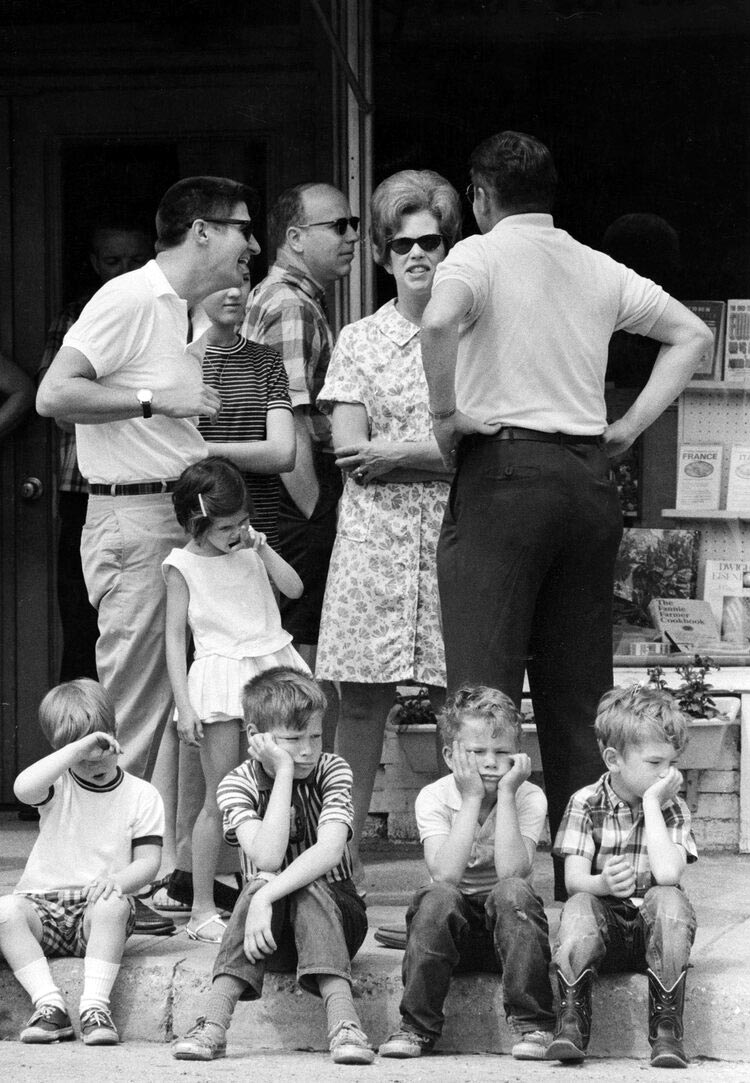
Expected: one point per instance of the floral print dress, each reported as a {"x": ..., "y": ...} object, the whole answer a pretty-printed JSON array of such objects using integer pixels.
[{"x": 380, "y": 622}]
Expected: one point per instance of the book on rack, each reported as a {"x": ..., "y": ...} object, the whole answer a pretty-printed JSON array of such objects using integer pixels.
[
  {"x": 687, "y": 623},
  {"x": 713, "y": 314},
  {"x": 722, "y": 579},
  {"x": 737, "y": 346},
  {"x": 738, "y": 487},
  {"x": 699, "y": 476}
]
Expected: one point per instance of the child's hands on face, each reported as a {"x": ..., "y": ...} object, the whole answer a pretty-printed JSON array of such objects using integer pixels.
[
  {"x": 665, "y": 787},
  {"x": 271, "y": 756},
  {"x": 619, "y": 876},
  {"x": 95, "y": 745},
  {"x": 520, "y": 769},
  {"x": 252, "y": 539},
  {"x": 465, "y": 771}
]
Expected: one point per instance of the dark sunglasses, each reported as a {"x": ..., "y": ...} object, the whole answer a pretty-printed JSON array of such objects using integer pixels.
[
  {"x": 430, "y": 242},
  {"x": 245, "y": 224},
  {"x": 339, "y": 224}
]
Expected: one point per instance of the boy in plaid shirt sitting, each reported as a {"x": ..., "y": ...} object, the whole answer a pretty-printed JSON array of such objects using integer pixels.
[{"x": 626, "y": 840}]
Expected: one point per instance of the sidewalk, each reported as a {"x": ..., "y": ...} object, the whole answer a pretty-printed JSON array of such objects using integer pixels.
[{"x": 164, "y": 979}]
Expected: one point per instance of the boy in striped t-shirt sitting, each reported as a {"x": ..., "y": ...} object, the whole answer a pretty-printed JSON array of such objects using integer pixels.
[
  {"x": 626, "y": 840},
  {"x": 289, "y": 809}
]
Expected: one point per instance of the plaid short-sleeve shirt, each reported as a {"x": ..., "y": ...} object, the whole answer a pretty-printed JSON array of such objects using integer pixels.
[{"x": 598, "y": 824}]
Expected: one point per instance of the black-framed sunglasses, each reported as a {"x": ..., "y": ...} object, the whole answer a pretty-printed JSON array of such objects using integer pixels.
[
  {"x": 245, "y": 224},
  {"x": 469, "y": 193},
  {"x": 339, "y": 224},
  {"x": 428, "y": 242}
]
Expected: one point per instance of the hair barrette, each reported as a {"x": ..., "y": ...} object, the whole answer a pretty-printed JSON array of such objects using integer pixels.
[{"x": 204, "y": 513}]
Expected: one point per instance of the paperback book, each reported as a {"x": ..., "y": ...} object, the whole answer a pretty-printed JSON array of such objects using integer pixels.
[
  {"x": 687, "y": 623},
  {"x": 738, "y": 486},
  {"x": 699, "y": 476}
]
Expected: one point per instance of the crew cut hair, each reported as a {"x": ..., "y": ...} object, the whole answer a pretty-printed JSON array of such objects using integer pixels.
[
  {"x": 198, "y": 197},
  {"x": 73, "y": 710},
  {"x": 281, "y": 698},
  {"x": 488, "y": 703},
  {"x": 629, "y": 717},
  {"x": 408, "y": 192},
  {"x": 518, "y": 169}
]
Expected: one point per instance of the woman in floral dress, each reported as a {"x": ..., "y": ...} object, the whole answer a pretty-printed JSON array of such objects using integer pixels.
[{"x": 380, "y": 624}]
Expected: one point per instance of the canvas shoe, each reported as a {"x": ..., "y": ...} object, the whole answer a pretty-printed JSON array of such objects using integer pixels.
[
  {"x": 200, "y": 1043},
  {"x": 48, "y": 1024},
  {"x": 98, "y": 1028},
  {"x": 406, "y": 1043},
  {"x": 349, "y": 1045},
  {"x": 532, "y": 1045}
]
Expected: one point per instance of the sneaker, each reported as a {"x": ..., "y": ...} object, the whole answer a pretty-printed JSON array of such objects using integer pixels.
[
  {"x": 406, "y": 1043},
  {"x": 48, "y": 1024},
  {"x": 349, "y": 1045},
  {"x": 532, "y": 1045},
  {"x": 97, "y": 1027},
  {"x": 201, "y": 1043}
]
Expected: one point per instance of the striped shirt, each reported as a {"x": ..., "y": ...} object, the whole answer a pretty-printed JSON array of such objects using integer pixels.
[
  {"x": 251, "y": 380},
  {"x": 598, "y": 824},
  {"x": 325, "y": 796}
]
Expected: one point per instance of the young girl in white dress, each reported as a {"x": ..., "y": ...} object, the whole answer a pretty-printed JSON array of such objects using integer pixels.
[{"x": 219, "y": 588}]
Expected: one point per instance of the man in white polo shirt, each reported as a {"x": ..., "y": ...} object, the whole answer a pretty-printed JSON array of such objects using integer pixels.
[
  {"x": 514, "y": 345},
  {"x": 132, "y": 384}
]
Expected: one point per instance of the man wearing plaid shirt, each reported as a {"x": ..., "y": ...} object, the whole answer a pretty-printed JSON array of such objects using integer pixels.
[
  {"x": 625, "y": 841},
  {"x": 315, "y": 235}
]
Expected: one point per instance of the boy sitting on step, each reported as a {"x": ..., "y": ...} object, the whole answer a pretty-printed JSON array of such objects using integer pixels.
[
  {"x": 626, "y": 840},
  {"x": 289, "y": 808},
  {"x": 479, "y": 826},
  {"x": 100, "y": 837}
]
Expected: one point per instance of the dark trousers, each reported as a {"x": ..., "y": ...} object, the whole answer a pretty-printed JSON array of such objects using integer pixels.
[
  {"x": 77, "y": 614},
  {"x": 318, "y": 930},
  {"x": 502, "y": 932},
  {"x": 526, "y": 570}
]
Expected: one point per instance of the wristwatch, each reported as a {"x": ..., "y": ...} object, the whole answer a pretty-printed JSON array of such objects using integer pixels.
[{"x": 145, "y": 397}]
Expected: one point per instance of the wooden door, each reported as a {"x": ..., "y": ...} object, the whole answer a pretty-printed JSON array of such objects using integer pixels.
[{"x": 63, "y": 148}]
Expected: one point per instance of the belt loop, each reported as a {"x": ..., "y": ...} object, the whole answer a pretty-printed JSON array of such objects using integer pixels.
[
  {"x": 113, "y": 489},
  {"x": 163, "y": 486}
]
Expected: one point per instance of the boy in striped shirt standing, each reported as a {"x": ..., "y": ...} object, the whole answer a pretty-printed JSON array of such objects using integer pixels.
[
  {"x": 626, "y": 840},
  {"x": 289, "y": 809}
]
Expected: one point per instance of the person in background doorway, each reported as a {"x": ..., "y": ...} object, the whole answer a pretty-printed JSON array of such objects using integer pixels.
[{"x": 16, "y": 395}]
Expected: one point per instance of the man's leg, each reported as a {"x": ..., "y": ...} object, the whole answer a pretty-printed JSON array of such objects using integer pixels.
[
  {"x": 77, "y": 615},
  {"x": 124, "y": 542}
]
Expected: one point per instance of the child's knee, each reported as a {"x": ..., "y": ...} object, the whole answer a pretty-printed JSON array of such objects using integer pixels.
[
  {"x": 512, "y": 892},
  {"x": 12, "y": 911},
  {"x": 114, "y": 910},
  {"x": 437, "y": 902}
]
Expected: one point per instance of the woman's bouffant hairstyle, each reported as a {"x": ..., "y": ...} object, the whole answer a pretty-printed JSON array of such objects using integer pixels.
[
  {"x": 75, "y": 709},
  {"x": 629, "y": 717},
  {"x": 281, "y": 698},
  {"x": 488, "y": 703},
  {"x": 408, "y": 192},
  {"x": 207, "y": 490}
]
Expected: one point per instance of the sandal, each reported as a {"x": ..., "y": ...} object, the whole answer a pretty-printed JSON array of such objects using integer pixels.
[
  {"x": 162, "y": 900},
  {"x": 196, "y": 933},
  {"x": 153, "y": 887}
]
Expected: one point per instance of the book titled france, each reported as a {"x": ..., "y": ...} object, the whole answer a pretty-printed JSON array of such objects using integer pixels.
[
  {"x": 738, "y": 487},
  {"x": 699, "y": 476}
]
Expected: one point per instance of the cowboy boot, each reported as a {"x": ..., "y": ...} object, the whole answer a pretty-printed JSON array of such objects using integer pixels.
[
  {"x": 665, "y": 1022},
  {"x": 573, "y": 1026}
]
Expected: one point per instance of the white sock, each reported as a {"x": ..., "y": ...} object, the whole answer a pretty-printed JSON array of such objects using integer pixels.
[
  {"x": 36, "y": 978},
  {"x": 98, "y": 979}
]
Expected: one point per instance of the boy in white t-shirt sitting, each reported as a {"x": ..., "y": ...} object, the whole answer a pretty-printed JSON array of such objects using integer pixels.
[
  {"x": 479, "y": 826},
  {"x": 100, "y": 837}
]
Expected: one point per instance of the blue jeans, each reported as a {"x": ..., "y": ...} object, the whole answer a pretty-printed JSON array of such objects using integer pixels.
[
  {"x": 526, "y": 571},
  {"x": 503, "y": 932},
  {"x": 612, "y": 934},
  {"x": 318, "y": 930}
]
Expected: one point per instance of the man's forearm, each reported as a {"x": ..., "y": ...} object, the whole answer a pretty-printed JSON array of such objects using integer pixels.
[{"x": 439, "y": 353}]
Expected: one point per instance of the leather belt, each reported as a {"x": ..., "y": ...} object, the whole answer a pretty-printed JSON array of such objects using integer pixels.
[
  {"x": 513, "y": 432},
  {"x": 136, "y": 488}
]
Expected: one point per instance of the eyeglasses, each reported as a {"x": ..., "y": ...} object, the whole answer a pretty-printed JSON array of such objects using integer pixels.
[
  {"x": 245, "y": 224},
  {"x": 339, "y": 224},
  {"x": 430, "y": 242},
  {"x": 469, "y": 193}
]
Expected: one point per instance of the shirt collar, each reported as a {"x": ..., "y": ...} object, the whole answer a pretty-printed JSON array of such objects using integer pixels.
[
  {"x": 157, "y": 279},
  {"x": 533, "y": 219},
  {"x": 612, "y": 797},
  {"x": 395, "y": 326},
  {"x": 288, "y": 272}
]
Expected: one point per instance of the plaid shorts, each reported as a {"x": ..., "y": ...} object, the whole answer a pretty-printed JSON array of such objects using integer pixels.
[{"x": 62, "y": 915}]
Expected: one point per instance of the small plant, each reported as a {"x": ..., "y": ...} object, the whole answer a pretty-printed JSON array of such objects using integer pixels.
[
  {"x": 694, "y": 694},
  {"x": 412, "y": 709}
]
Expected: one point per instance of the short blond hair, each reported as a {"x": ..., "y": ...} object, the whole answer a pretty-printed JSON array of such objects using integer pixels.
[
  {"x": 73, "y": 710},
  {"x": 629, "y": 717},
  {"x": 488, "y": 703},
  {"x": 282, "y": 698}
]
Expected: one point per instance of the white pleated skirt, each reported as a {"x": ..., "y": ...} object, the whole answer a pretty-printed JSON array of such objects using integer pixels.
[{"x": 215, "y": 683}]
